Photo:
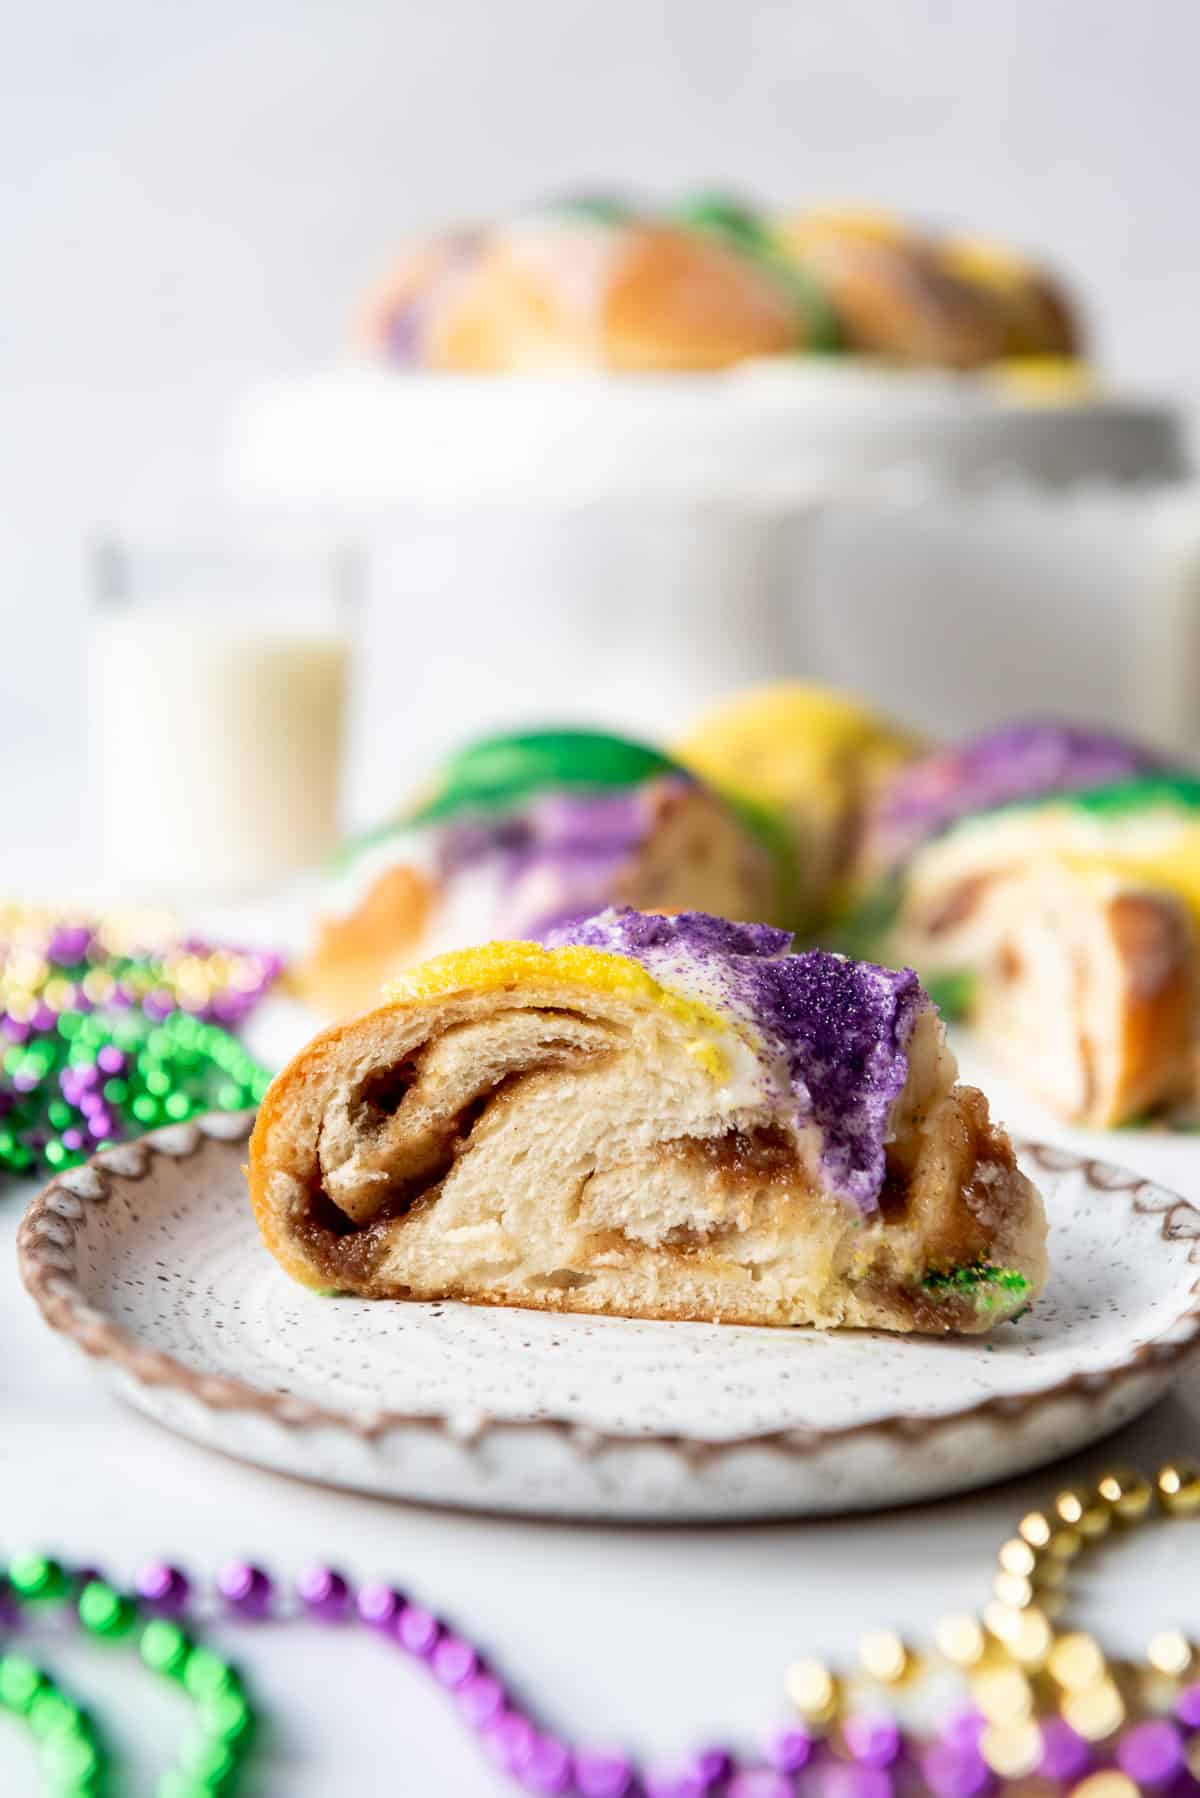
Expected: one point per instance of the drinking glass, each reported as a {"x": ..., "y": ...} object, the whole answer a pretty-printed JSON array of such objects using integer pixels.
[{"x": 219, "y": 679}]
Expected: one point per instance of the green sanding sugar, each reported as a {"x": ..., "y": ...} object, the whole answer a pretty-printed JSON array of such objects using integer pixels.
[
  {"x": 594, "y": 208},
  {"x": 1180, "y": 790},
  {"x": 727, "y": 216},
  {"x": 862, "y": 931},
  {"x": 952, "y": 993},
  {"x": 770, "y": 830},
  {"x": 501, "y": 771},
  {"x": 728, "y": 219},
  {"x": 1135, "y": 794},
  {"x": 979, "y": 1281}
]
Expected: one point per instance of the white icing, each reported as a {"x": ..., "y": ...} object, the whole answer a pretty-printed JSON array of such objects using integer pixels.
[
  {"x": 575, "y": 258},
  {"x": 351, "y": 884}
]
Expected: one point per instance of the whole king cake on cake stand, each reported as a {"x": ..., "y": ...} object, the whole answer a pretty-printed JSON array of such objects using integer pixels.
[
  {"x": 599, "y": 348},
  {"x": 600, "y": 425}
]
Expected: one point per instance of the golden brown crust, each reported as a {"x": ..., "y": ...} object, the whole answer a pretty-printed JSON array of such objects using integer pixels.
[
  {"x": 563, "y": 294},
  {"x": 696, "y": 856},
  {"x": 1035, "y": 312},
  {"x": 1155, "y": 1029},
  {"x": 896, "y": 299},
  {"x": 506, "y": 316},
  {"x": 1087, "y": 985},
  {"x": 410, "y": 278},
  {"x": 1062, "y": 332},
  {"x": 352, "y": 956},
  {"x": 681, "y": 301}
]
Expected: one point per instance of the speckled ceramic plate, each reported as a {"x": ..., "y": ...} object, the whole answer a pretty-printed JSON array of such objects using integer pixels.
[{"x": 149, "y": 1258}]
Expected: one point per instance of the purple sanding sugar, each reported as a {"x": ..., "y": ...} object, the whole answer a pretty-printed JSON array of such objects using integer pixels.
[
  {"x": 843, "y": 1027},
  {"x": 636, "y": 933},
  {"x": 556, "y": 858},
  {"x": 1025, "y": 761},
  {"x": 557, "y": 829},
  {"x": 464, "y": 842},
  {"x": 412, "y": 320}
]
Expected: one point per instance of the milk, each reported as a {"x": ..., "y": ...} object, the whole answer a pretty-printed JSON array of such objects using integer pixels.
[{"x": 218, "y": 739}]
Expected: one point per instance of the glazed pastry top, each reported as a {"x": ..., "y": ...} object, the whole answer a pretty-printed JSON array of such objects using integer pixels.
[
  {"x": 1024, "y": 761},
  {"x": 795, "y": 743},
  {"x": 527, "y": 829},
  {"x": 1143, "y": 831},
  {"x": 819, "y": 1040},
  {"x": 563, "y": 286},
  {"x": 830, "y": 1035}
]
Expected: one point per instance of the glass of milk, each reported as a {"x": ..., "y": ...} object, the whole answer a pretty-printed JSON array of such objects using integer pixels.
[{"x": 219, "y": 678}]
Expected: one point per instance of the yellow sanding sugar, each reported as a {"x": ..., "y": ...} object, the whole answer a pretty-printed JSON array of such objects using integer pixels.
[
  {"x": 1175, "y": 870},
  {"x": 493, "y": 966},
  {"x": 1044, "y": 379},
  {"x": 870, "y": 223},
  {"x": 782, "y": 742},
  {"x": 993, "y": 264}
]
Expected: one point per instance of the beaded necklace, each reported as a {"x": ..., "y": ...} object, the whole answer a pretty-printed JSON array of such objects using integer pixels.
[
  {"x": 103, "y": 1037},
  {"x": 1045, "y": 1710}
]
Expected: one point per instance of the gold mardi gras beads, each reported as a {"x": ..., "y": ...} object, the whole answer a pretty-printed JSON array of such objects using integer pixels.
[
  {"x": 1012, "y": 1750},
  {"x": 1013, "y": 1590},
  {"x": 1109, "y": 1784},
  {"x": 1128, "y": 1492},
  {"x": 1017, "y": 1666},
  {"x": 1003, "y": 1694},
  {"x": 1050, "y": 1572},
  {"x": 1178, "y": 1487},
  {"x": 1170, "y": 1652},
  {"x": 960, "y": 1640},
  {"x": 1035, "y": 1528},
  {"x": 1095, "y": 1712},
  {"x": 814, "y": 1691},
  {"x": 1083, "y": 1512},
  {"x": 884, "y": 1656},
  {"x": 1063, "y": 1545},
  {"x": 1031, "y": 1642},
  {"x": 1017, "y": 1556},
  {"x": 1076, "y": 1662}
]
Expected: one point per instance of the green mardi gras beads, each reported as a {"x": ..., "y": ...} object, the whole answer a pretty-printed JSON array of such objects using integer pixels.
[
  {"x": 34, "y": 1578},
  {"x": 70, "y": 1749},
  {"x": 97, "y": 1044},
  {"x": 104, "y": 1612},
  {"x": 156, "y": 1074},
  {"x": 72, "y": 1756}
]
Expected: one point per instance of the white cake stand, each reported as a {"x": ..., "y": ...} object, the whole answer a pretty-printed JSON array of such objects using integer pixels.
[
  {"x": 371, "y": 437},
  {"x": 624, "y": 548}
]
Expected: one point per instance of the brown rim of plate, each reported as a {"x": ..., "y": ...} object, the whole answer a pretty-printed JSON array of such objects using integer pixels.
[{"x": 46, "y": 1244}]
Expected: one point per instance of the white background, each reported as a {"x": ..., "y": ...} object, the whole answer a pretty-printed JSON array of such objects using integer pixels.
[{"x": 191, "y": 196}]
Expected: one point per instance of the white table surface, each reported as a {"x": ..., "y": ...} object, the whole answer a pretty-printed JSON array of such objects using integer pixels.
[{"x": 656, "y": 1638}]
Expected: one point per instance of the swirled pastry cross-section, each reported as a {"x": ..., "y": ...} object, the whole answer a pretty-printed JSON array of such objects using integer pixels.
[{"x": 666, "y": 1117}]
